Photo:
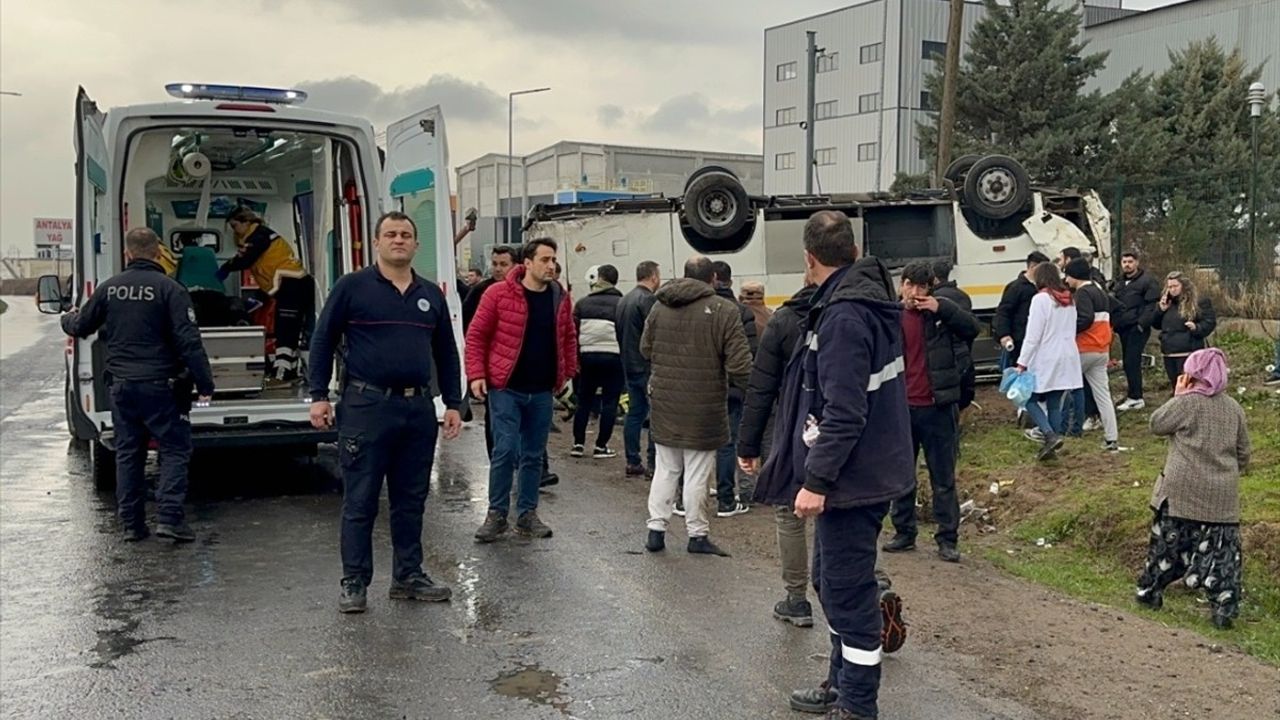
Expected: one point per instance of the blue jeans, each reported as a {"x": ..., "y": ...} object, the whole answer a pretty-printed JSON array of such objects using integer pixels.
[
  {"x": 637, "y": 414},
  {"x": 727, "y": 456},
  {"x": 1049, "y": 422},
  {"x": 520, "y": 423}
]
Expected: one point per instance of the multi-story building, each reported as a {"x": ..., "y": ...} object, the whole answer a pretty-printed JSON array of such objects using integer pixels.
[
  {"x": 589, "y": 170},
  {"x": 869, "y": 86}
]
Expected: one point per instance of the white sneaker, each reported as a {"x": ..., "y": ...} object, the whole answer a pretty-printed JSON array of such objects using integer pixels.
[
  {"x": 1092, "y": 424},
  {"x": 577, "y": 451},
  {"x": 1034, "y": 434},
  {"x": 1131, "y": 404}
]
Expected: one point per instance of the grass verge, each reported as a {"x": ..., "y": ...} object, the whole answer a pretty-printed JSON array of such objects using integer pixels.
[{"x": 1080, "y": 523}]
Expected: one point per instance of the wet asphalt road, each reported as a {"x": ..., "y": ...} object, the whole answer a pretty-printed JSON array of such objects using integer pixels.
[{"x": 242, "y": 623}]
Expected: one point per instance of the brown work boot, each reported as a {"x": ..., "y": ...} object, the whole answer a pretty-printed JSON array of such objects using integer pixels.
[
  {"x": 528, "y": 525},
  {"x": 495, "y": 524}
]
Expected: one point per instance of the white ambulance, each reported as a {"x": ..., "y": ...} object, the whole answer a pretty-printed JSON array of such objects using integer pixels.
[{"x": 181, "y": 167}]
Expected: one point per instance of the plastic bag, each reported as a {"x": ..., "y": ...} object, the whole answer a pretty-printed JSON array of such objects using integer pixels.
[{"x": 1018, "y": 386}]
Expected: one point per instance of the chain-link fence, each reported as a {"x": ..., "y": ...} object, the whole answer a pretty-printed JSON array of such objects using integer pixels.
[{"x": 1204, "y": 222}]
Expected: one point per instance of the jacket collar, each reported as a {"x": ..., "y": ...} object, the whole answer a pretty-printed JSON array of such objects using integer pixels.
[{"x": 142, "y": 264}]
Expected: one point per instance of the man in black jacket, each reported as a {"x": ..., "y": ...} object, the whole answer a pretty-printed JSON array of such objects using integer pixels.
[
  {"x": 633, "y": 310},
  {"x": 502, "y": 259},
  {"x": 148, "y": 328},
  {"x": 932, "y": 330},
  {"x": 726, "y": 464},
  {"x": 1137, "y": 293},
  {"x": 777, "y": 345},
  {"x": 599, "y": 366},
  {"x": 1010, "y": 323},
  {"x": 945, "y": 287}
]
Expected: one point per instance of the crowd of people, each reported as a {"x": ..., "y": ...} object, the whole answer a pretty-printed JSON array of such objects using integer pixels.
[{"x": 820, "y": 409}]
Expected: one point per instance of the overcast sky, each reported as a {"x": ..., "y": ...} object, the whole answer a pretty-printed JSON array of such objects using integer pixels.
[{"x": 676, "y": 73}]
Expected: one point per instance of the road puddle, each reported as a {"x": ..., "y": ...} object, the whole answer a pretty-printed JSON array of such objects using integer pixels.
[{"x": 535, "y": 685}]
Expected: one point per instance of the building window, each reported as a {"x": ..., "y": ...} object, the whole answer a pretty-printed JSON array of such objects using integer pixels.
[
  {"x": 828, "y": 62},
  {"x": 825, "y": 156},
  {"x": 824, "y": 110},
  {"x": 927, "y": 102},
  {"x": 929, "y": 48},
  {"x": 868, "y": 151},
  {"x": 784, "y": 161},
  {"x": 868, "y": 103},
  {"x": 785, "y": 116},
  {"x": 787, "y": 71},
  {"x": 871, "y": 53}
]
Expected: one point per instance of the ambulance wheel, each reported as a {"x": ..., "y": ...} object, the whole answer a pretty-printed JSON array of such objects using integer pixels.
[
  {"x": 959, "y": 167},
  {"x": 102, "y": 466},
  {"x": 997, "y": 187},
  {"x": 715, "y": 204}
]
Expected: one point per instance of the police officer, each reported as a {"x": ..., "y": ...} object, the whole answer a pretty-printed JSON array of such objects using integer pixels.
[
  {"x": 396, "y": 327},
  {"x": 278, "y": 272},
  {"x": 149, "y": 329}
]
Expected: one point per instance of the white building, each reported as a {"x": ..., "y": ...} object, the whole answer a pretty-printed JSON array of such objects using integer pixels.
[
  {"x": 594, "y": 170},
  {"x": 870, "y": 94}
]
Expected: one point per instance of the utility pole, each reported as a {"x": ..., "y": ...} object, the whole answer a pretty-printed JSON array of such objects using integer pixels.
[
  {"x": 811, "y": 79},
  {"x": 1257, "y": 100},
  {"x": 511, "y": 106},
  {"x": 951, "y": 67}
]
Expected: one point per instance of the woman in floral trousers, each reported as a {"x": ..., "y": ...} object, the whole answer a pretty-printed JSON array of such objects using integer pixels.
[{"x": 1195, "y": 534}]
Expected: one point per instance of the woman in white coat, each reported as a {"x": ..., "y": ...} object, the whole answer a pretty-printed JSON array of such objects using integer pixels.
[{"x": 1049, "y": 352}]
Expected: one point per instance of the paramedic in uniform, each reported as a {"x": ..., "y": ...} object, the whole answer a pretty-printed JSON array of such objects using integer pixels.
[
  {"x": 397, "y": 329},
  {"x": 149, "y": 329},
  {"x": 278, "y": 273}
]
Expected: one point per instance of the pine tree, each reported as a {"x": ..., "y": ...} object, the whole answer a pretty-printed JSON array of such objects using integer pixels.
[{"x": 1020, "y": 92}]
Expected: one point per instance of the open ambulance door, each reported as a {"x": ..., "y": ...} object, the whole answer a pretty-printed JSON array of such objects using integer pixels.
[
  {"x": 94, "y": 258},
  {"x": 415, "y": 177}
]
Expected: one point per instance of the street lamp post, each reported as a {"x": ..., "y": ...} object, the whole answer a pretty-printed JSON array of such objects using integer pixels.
[
  {"x": 1257, "y": 100},
  {"x": 511, "y": 103}
]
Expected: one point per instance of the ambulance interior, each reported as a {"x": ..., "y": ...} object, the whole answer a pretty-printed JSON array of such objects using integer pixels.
[{"x": 183, "y": 182}]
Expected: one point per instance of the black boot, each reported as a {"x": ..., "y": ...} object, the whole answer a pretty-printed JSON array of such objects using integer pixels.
[
  {"x": 814, "y": 700},
  {"x": 177, "y": 532},
  {"x": 657, "y": 541},
  {"x": 419, "y": 587},
  {"x": 900, "y": 543},
  {"x": 353, "y": 598},
  {"x": 794, "y": 610},
  {"x": 704, "y": 546},
  {"x": 893, "y": 631}
]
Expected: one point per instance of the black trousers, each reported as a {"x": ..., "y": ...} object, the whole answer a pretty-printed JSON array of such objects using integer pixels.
[
  {"x": 384, "y": 437},
  {"x": 934, "y": 429},
  {"x": 295, "y": 310},
  {"x": 1173, "y": 368},
  {"x": 600, "y": 375},
  {"x": 141, "y": 411},
  {"x": 844, "y": 576},
  {"x": 1132, "y": 343}
]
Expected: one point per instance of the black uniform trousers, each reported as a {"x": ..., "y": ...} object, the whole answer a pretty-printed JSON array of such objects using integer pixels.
[
  {"x": 599, "y": 381},
  {"x": 384, "y": 436},
  {"x": 295, "y": 311},
  {"x": 844, "y": 576},
  {"x": 934, "y": 429},
  {"x": 140, "y": 411}
]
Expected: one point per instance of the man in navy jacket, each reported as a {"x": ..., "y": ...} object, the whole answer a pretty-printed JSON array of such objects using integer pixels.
[{"x": 844, "y": 432}]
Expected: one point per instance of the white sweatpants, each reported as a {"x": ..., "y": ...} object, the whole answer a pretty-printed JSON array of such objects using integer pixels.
[
  {"x": 668, "y": 465},
  {"x": 1095, "y": 374}
]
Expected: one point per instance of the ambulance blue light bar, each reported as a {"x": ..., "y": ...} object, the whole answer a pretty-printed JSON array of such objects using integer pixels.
[{"x": 193, "y": 91}]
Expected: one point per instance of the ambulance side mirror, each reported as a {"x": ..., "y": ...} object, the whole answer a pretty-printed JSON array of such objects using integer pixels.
[{"x": 49, "y": 297}]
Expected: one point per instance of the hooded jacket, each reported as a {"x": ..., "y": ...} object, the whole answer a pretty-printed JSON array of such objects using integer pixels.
[
  {"x": 1175, "y": 338},
  {"x": 597, "y": 317},
  {"x": 843, "y": 428},
  {"x": 698, "y": 348},
  {"x": 496, "y": 335},
  {"x": 777, "y": 344}
]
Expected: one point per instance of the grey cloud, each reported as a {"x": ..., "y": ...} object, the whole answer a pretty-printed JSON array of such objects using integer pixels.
[
  {"x": 694, "y": 113},
  {"x": 458, "y": 98},
  {"x": 609, "y": 115}
]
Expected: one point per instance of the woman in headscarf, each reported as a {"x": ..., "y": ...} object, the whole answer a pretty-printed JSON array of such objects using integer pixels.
[
  {"x": 1196, "y": 531},
  {"x": 752, "y": 296}
]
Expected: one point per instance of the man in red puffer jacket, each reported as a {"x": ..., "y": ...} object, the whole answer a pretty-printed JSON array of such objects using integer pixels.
[{"x": 521, "y": 348}]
